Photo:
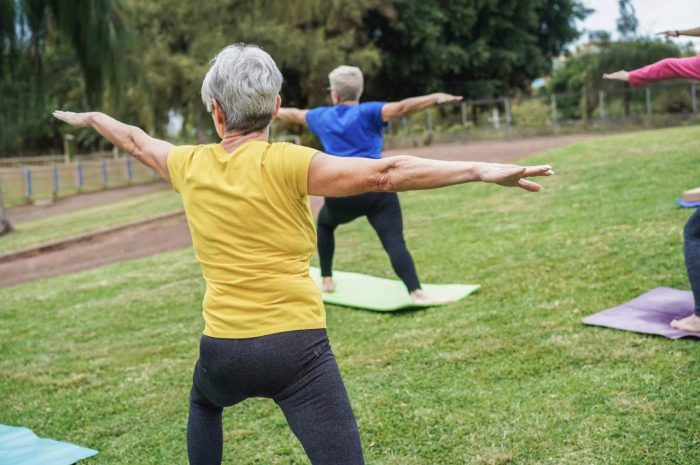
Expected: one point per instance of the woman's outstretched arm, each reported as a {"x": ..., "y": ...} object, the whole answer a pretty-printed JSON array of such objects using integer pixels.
[
  {"x": 148, "y": 150},
  {"x": 669, "y": 68},
  {"x": 331, "y": 176},
  {"x": 695, "y": 32}
]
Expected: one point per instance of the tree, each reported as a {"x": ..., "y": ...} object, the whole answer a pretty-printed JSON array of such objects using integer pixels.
[
  {"x": 627, "y": 22},
  {"x": 473, "y": 49},
  {"x": 90, "y": 30}
]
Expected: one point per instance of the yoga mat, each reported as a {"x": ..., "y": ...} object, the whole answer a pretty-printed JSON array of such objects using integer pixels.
[
  {"x": 380, "y": 294},
  {"x": 19, "y": 446},
  {"x": 685, "y": 204},
  {"x": 650, "y": 313}
]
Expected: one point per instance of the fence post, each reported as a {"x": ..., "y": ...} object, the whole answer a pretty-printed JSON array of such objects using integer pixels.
[
  {"x": 506, "y": 108},
  {"x": 463, "y": 108},
  {"x": 105, "y": 175},
  {"x": 129, "y": 171},
  {"x": 693, "y": 98},
  {"x": 430, "y": 120},
  {"x": 648, "y": 101},
  {"x": 601, "y": 104},
  {"x": 56, "y": 180},
  {"x": 29, "y": 191},
  {"x": 79, "y": 175},
  {"x": 555, "y": 116}
]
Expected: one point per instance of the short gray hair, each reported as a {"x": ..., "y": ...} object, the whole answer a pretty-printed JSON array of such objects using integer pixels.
[
  {"x": 245, "y": 80},
  {"x": 347, "y": 82}
]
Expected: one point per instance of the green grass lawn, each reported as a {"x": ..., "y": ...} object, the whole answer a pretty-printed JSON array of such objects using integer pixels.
[
  {"x": 30, "y": 233},
  {"x": 508, "y": 376}
]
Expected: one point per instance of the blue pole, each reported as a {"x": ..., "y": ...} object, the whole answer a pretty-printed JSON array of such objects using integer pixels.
[
  {"x": 129, "y": 173},
  {"x": 56, "y": 180},
  {"x": 80, "y": 176},
  {"x": 105, "y": 176}
]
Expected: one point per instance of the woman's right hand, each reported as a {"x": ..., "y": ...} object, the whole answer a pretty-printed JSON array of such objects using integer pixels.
[
  {"x": 668, "y": 34},
  {"x": 621, "y": 75},
  {"x": 513, "y": 175}
]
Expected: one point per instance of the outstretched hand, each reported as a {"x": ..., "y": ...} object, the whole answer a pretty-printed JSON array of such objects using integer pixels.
[
  {"x": 618, "y": 76},
  {"x": 513, "y": 175},
  {"x": 447, "y": 98},
  {"x": 668, "y": 33},
  {"x": 79, "y": 120}
]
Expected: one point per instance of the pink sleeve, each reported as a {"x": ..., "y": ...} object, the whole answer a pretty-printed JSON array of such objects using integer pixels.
[{"x": 670, "y": 68}]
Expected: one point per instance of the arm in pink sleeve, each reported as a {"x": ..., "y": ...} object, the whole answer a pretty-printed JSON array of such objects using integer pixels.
[{"x": 670, "y": 68}]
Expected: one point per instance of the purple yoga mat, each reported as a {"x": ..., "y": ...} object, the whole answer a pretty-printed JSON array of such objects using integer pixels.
[
  {"x": 650, "y": 313},
  {"x": 685, "y": 204}
]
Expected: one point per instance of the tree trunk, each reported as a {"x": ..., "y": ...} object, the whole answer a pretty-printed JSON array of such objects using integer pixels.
[{"x": 5, "y": 226}]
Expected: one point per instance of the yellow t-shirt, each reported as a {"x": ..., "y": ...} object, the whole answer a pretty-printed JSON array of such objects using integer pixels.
[{"x": 253, "y": 234}]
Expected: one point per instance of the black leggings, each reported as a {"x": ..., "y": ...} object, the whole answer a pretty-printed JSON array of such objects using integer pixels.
[
  {"x": 297, "y": 370},
  {"x": 384, "y": 214},
  {"x": 691, "y": 248}
]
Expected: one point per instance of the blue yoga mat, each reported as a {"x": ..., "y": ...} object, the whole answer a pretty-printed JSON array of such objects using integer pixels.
[
  {"x": 20, "y": 446},
  {"x": 685, "y": 204}
]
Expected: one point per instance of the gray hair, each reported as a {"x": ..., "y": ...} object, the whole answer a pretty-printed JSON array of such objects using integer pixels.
[
  {"x": 347, "y": 82},
  {"x": 245, "y": 80}
]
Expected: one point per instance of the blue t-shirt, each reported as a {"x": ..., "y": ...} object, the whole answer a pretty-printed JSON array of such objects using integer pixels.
[{"x": 349, "y": 130}]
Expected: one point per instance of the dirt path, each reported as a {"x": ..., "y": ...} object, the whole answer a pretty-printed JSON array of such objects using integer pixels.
[{"x": 172, "y": 233}]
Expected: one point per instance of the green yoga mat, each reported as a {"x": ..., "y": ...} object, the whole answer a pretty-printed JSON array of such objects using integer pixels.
[{"x": 380, "y": 294}]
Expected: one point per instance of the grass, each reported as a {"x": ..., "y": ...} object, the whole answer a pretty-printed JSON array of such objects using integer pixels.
[
  {"x": 103, "y": 358},
  {"x": 59, "y": 226}
]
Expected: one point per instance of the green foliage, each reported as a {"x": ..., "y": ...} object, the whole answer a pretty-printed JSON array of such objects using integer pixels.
[
  {"x": 533, "y": 112},
  {"x": 475, "y": 49},
  {"x": 104, "y": 358},
  {"x": 627, "y": 23},
  {"x": 55, "y": 54},
  {"x": 158, "y": 53}
]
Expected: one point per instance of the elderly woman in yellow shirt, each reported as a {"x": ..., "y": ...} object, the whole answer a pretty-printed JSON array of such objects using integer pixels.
[{"x": 247, "y": 206}]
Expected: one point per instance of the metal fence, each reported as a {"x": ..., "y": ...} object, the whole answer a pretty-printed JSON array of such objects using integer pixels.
[
  {"x": 620, "y": 107},
  {"x": 31, "y": 182}
]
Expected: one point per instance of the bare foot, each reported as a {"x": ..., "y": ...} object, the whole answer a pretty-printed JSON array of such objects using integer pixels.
[
  {"x": 618, "y": 76},
  {"x": 689, "y": 323},
  {"x": 327, "y": 285},
  {"x": 420, "y": 297}
]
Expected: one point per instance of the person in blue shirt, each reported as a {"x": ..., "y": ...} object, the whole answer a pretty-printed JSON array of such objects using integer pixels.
[{"x": 349, "y": 128}]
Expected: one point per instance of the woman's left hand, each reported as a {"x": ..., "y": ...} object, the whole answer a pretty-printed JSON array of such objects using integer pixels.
[{"x": 79, "y": 120}]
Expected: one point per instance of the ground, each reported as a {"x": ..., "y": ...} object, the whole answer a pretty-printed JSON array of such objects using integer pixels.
[
  {"x": 172, "y": 233},
  {"x": 509, "y": 375}
]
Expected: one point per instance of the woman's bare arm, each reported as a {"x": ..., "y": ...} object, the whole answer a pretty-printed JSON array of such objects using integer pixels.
[
  {"x": 332, "y": 176},
  {"x": 695, "y": 32},
  {"x": 412, "y": 105},
  {"x": 148, "y": 150},
  {"x": 291, "y": 115}
]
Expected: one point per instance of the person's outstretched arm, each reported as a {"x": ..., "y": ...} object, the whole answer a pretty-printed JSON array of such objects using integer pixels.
[
  {"x": 411, "y": 105},
  {"x": 331, "y": 176},
  {"x": 685, "y": 32},
  {"x": 292, "y": 115},
  {"x": 669, "y": 68},
  {"x": 148, "y": 150}
]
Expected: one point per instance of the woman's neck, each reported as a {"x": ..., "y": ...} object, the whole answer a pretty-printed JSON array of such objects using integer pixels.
[{"x": 232, "y": 140}]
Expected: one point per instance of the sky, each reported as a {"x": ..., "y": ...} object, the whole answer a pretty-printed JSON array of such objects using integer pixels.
[{"x": 653, "y": 15}]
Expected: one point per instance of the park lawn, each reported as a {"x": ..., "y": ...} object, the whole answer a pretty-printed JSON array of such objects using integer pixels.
[
  {"x": 103, "y": 358},
  {"x": 140, "y": 207}
]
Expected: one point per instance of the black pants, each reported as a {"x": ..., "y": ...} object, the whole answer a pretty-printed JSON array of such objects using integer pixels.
[
  {"x": 384, "y": 214},
  {"x": 297, "y": 370},
  {"x": 691, "y": 248}
]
